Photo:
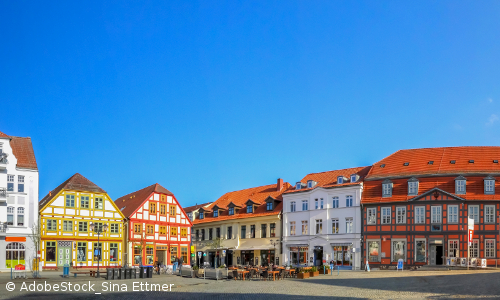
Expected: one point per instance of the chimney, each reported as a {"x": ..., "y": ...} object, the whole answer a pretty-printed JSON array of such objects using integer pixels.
[{"x": 279, "y": 186}]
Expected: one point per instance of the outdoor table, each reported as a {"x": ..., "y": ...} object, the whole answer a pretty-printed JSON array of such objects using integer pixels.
[
  {"x": 274, "y": 274},
  {"x": 243, "y": 272},
  {"x": 290, "y": 272}
]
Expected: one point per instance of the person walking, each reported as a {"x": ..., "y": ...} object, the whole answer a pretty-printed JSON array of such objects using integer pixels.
[
  {"x": 175, "y": 264},
  {"x": 331, "y": 266},
  {"x": 181, "y": 261}
]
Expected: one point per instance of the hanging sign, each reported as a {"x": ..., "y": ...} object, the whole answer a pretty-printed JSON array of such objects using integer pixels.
[{"x": 470, "y": 223}]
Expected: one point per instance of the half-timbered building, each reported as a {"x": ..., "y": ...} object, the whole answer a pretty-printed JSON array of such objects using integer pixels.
[
  {"x": 158, "y": 229},
  {"x": 416, "y": 204}
]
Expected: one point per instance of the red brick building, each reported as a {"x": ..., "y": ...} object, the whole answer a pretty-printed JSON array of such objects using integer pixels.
[{"x": 416, "y": 204}]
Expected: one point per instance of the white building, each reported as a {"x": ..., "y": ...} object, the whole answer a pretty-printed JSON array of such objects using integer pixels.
[
  {"x": 322, "y": 219},
  {"x": 18, "y": 201}
]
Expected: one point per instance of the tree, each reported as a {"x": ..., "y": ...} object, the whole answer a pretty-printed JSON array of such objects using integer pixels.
[
  {"x": 141, "y": 245},
  {"x": 216, "y": 244},
  {"x": 36, "y": 237}
]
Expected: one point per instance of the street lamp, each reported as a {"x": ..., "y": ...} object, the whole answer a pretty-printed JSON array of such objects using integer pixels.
[
  {"x": 98, "y": 230},
  {"x": 274, "y": 243}
]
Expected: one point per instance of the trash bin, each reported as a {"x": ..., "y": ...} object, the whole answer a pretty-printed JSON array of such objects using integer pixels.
[
  {"x": 66, "y": 270},
  {"x": 150, "y": 272},
  {"x": 142, "y": 270},
  {"x": 116, "y": 273},
  {"x": 123, "y": 273},
  {"x": 109, "y": 274},
  {"x": 133, "y": 273}
]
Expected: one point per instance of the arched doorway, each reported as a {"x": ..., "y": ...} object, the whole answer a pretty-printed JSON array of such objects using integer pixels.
[{"x": 14, "y": 255}]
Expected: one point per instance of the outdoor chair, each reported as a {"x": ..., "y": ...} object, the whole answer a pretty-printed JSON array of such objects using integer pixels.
[
  {"x": 282, "y": 274},
  {"x": 253, "y": 273},
  {"x": 264, "y": 274},
  {"x": 235, "y": 274}
]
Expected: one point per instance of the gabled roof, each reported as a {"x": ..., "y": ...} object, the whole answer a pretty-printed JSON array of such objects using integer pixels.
[
  {"x": 129, "y": 203},
  {"x": 76, "y": 183},
  {"x": 3, "y": 135},
  {"x": 196, "y": 207},
  {"x": 328, "y": 179},
  {"x": 22, "y": 148},
  {"x": 416, "y": 162},
  {"x": 436, "y": 192}
]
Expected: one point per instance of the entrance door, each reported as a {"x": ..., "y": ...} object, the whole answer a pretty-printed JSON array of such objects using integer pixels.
[
  {"x": 63, "y": 256},
  {"x": 439, "y": 255},
  {"x": 161, "y": 255},
  {"x": 433, "y": 255}
]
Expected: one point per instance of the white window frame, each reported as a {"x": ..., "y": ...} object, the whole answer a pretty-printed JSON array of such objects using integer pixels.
[
  {"x": 321, "y": 203},
  {"x": 349, "y": 225},
  {"x": 452, "y": 216},
  {"x": 305, "y": 204},
  {"x": 383, "y": 215},
  {"x": 412, "y": 188},
  {"x": 319, "y": 226},
  {"x": 335, "y": 225},
  {"x": 386, "y": 189},
  {"x": 298, "y": 186},
  {"x": 405, "y": 250},
  {"x": 489, "y": 252},
  {"x": 419, "y": 214},
  {"x": 340, "y": 180},
  {"x": 354, "y": 178},
  {"x": 293, "y": 206},
  {"x": 415, "y": 251},
  {"x": 489, "y": 214},
  {"x": 473, "y": 210},
  {"x": 489, "y": 186},
  {"x": 436, "y": 218},
  {"x": 400, "y": 214},
  {"x": 292, "y": 228},
  {"x": 474, "y": 248},
  {"x": 453, "y": 245},
  {"x": 349, "y": 201},
  {"x": 20, "y": 212},
  {"x": 305, "y": 229},
  {"x": 316, "y": 203},
  {"x": 460, "y": 186},
  {"x": 371, "y": 216},
  {"x": 335, "y": 202}
]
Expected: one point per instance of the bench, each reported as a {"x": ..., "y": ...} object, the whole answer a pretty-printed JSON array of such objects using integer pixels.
[{"x": 88, "y": 272}]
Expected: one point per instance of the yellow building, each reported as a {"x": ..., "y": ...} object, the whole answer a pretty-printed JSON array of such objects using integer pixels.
[{"x": 67, "y": 216}]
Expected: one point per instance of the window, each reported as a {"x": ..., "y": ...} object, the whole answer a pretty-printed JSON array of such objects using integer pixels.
[
  {"x": 292, "y": 228},
  {"x": 50, "y": 252},
  {"x": 309, "y": 184},
  {"x": 10, "y": 183},
  {"x": 489, "y": 248},
  {"x": 173, "y": 211},
  {"x": 173, "y": 254},
  {"x": 304, "y": 228},
  {"x": 387, "y": 188},
  {"x": 252, "y": 231},
  {"x": 184, "y": 254},
  {"x": 335, "y": 202},
  {"x": 163, "y": 198},
  {"x": 70, "y": 200},
  {"x": 263, "y": 230},
  {"x": 210, "y": 234},
  {"x": 203, "y": 234},
  {"x": 335, "y": 226},
  {"x": 152, "y": 208},
  {"x": 81, "y": 251},
  {"x": 97, "y": 227},
  {"x": 474, "y": 248},
  {"x": 292, "y": 206},
  {"x": 269, "y": 206},
  {"x": 173, "y": 231},
  {"x": 371, "y": 214},
  {"x": 348, "y": 201},
  {"x": 150, "y": 229},
  {"x": 113, "y": 251},
  {"x": 340, "y": 180},
  {"x": 420, "y": 253},
  {"x": 460, "y": 185},
  {"x": 474, "y": 213},
  {"x": 231, "y": 211},
  {"x": 83, "y": 226},
  {"x": 272, "y": 230},
  {"x": 489, "y": 214},
  {"x": 114, "y": 228},
  {"x": 453, "y": 249},
  {"x": 216, "y": 213},
  {"x": 249, "y": 209},
  {"x": 84, "y": 202},
  {"x": 98, "y": 203},
  {"x": 298, "y": 186},
  {"x": 20, "y": 216},
  {"x": 316, "y": 204},
  {"x": 319, "y": 226},
  {"x": 243, "y": 231},
  {"x": 386, "y": 215},
  {"x": 97, "y": 251},
  {"x": 67, "y": 226},
  {"x": 374, "y": 251},
  {"x": 435, "y": 218},
  {"x": 304, "y": 205},
  {"x": 354, "y": 178},
  {"x": 10, "y": 215},
  {"x": 452, "y": 213},
  {"x": 413, "y": 187},
  {"x": 163, "y": 211},
  {"x": 419, "y": 214},
  {"x": 348, "y": 225},
  {"x": 20, "y": 184},
  {"x": 489, "y": 186},
  {"x": 398, "y": 250},
  {"x": 163, "y": 231},
  {"x": 137, "y": 228},
  {"x": 184, "y": 232},
  {"x": 229, "y": 232},
  {"x": 400, "y": 215},
  {"x": 202, "y": 215},
  {"x": 51, "y": 225}
]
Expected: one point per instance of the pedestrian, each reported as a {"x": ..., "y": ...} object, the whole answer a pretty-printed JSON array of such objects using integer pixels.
[
  {"x": 331, "y": 266},
  {"x": 175, "y": 263}
]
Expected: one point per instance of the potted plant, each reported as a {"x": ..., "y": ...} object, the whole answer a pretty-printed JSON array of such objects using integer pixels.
[
  {"x": 302, "y": 274},
  {"x": 325, "y": 269},
  {"x": 313, "y": 271}
]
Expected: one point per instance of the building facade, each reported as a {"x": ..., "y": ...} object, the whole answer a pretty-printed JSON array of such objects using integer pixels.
[
  {"x": 242, "y": 227},
  {"x": 322, "y": 218},
  {"x": 416, "y": 206},
  {"x": 18, "y": 199},
  {"x": 67, "y": 216},
  {"x": 193, "y": 213},
  {"x": 157, "y": 228}
]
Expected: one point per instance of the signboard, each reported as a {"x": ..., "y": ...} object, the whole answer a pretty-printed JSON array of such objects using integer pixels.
[
  {"x": 483, "y": 263},
  {"x": 400, "y": 264},
  {"x": 199, "y": 253},
  {"x": 473, "y": 262},
  {"x": 471, "y": 235},
  {"x": 224, "y": 252},
  {"x": 463, "y": 262},
  {"x": 470, "y": 225},
  {"x": 367, "y": 266},
  {"x": 20, "y": 267}
]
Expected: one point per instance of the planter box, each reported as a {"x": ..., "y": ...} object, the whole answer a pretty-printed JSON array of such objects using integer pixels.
[
  {"x": 312, "y": 274},
  {"x": 327, "y": 271},
  {"x": 303, "y": 275}
]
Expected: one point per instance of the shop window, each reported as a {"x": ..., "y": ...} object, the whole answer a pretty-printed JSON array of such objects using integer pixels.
[
  {"x": 51, "y": 224},
  {"x": 184, "y": 232},
  {"x": 50, "y": 251},
  {"x": 84, "y": 202},
  {"x": 152, "y": 208},
  {"x": 70, "y": 200},
  {"x": 420, "y": 250},
  {"x": 82, "y": 226},
  {"x": 97, "y": 251},
  {"x": 163, "y": 231},
  {"x": 14, "y": 255},
  {"x": 113, "y": 251},
  {"x": 184, "y": 254},
  {"x": 114, "y": 228},
  {"x": 173, "y": 231},
  {"x": 173, "y": 254},
  {"x": 137, "y": 228},
  {"x": 263, "y": 230},
  {"x": 272, "y": 230},
  {"x": 98, "y": 203},
  {"x": 20, "y": 216},
  {"x": 373, "y": 251},
  {"x": 137, "y": 255},
  {"x": 453, "y": 249},
  {"x": 398, "y": 250},
  {"x": 149, "y": 255},
  {"x": 81, "y": 254},
  {"x": 68, "y": 226}
]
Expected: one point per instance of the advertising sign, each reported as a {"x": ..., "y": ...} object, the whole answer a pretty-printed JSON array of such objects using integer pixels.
[
  {"x": 400, "y": 264},
  {"x": 463, "y": 262}
]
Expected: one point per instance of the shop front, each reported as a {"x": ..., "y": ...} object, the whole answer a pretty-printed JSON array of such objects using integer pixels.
[
  {"x": 267, "y": 257},
  {"x": 342, "y": 254},
  {"x": 298, "y": 254}
]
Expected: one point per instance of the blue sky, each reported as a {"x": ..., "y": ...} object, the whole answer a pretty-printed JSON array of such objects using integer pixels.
[{"x": 213, "y": 96}]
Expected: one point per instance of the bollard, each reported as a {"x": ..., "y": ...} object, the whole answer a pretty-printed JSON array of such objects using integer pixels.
[{"x": 338, "y": 270}]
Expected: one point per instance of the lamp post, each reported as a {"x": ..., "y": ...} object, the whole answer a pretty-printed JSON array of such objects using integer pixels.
[
  {"x": 274, "y": 243},
  {"x": 98, "y": 230}
]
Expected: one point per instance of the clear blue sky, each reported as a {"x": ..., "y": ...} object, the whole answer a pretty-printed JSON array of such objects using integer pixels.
[{"x": 211, "y": 96}]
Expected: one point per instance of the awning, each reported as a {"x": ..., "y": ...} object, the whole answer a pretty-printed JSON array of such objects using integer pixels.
[
  {"x": 255, "y": 248},
  {"x": 297, "y": 245},
  {"x": 340, "y": 244}
]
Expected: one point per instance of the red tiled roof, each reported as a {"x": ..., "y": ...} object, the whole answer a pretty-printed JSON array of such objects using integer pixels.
[
  {"x": 418, "y": 162},
  {"x": 76, "y": 183},
  {"x": 329, "y": 178},
  {"x": 22, "y": 148},
  {"x": 239, "y": 198},
  {"x": 195, "y": 207},
  {"x": 129, "y": 203},
  {"x": 3, "y": 135}
]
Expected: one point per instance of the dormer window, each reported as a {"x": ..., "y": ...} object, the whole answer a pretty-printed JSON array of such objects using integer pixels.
[
  {"x": 298, "y": 185},
  {"x": 216, "y": 213},
  {"x": 413, "y": 186},
  {"x": 340, "y": 180},
  {"x": 387, "y": 188},
  {"x": 310, "y": 184},
  {"x": 489, "y": 185},
  {"x": 460, "y": 184},
  {"x": 202, "y": 215},
  {"x": 269, "y": 206},
  {"x": 249, "y": 208},
  {"x": 354, "y": 178},
  {"x": 231, "y": 211},
  {"x": 431, "y": 162},
  {"x": 452, "y": 162}
]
